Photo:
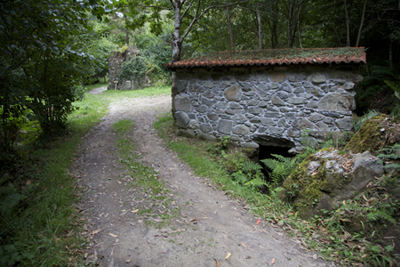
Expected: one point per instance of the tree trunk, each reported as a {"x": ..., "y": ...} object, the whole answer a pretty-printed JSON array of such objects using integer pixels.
[
  {"x": 230, "y": 26},
  {"x": 259, "y": 26},
  {"x": 126, "y": 33},
  {"x": 176, "y": 48},
  {"x": 347, "y": 23},
  {"x": 361, "y": 24},
  {"x": 290, "y": 7}
]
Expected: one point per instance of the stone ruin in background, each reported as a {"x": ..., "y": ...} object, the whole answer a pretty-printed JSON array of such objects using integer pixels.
[{"x": 115, "y": 62}]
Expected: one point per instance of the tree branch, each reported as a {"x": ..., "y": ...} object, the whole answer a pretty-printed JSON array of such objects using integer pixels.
[{"x": 189, "y": 6}]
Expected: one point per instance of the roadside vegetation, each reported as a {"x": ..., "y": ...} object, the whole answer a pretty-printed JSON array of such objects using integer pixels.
[{"x": 230, "y": 169}]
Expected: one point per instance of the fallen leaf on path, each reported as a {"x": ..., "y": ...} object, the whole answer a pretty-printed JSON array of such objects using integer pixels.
[
  {"x": 273, "y": 261},
  {"x": 228, "y": 255},
  {"x": 119, "y": 182},
  {"x": 95, "y": 232},
  {"x": 258, "y": 221},
  {"x": 133, "y": 211},
  {"x": 128, "y": 261},
  {"x": 112, "y": 235},
  {"x": 315, "y": 256},
  {"x": 216, "y": 262}
]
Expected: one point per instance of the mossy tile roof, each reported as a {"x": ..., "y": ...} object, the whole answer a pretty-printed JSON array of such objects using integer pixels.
[{"x": 278, "y": 57}]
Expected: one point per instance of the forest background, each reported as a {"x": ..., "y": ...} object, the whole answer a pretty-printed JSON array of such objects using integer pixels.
[{"x": 50, "y": 48}]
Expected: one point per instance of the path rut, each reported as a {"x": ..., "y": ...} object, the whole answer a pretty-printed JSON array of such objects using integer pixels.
[{"x": 120, "y": 237}]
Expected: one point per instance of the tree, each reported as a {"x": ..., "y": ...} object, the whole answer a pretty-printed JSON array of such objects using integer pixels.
[{"x": 39, "y": 63}]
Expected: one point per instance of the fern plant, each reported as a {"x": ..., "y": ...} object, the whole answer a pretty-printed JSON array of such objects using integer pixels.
[
  {"x": 249, "y": 175},
  {"x": 280, "y": 167},
  {"x": 391, "y": 153}
]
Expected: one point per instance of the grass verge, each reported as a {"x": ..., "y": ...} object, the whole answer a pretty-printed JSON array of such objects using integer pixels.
[{"x": 154, "y": 206}]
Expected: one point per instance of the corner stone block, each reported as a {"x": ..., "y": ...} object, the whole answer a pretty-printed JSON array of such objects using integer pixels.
[
  {"x": 182, "y": 103},
  {"x": 318, "y": 77},
  {"x": 225, "y": 126},
  {"x": 181, "y": 86},
  {"x": 182, "y": 119},
  {"x": 277, "y": 76},
  {"x": 241, "y": 130},
  {"x": 233, "y": 93}
]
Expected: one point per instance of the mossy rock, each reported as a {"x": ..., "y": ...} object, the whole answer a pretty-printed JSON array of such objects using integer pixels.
[
  {"x": 375, "y": 134},
  {"x": 305, "y": 188}
]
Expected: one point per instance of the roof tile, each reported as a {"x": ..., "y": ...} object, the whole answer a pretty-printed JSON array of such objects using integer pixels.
[{"x": 275, "y": 57}]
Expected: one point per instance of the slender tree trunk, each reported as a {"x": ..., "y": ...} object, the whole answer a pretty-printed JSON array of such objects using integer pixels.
[
  {"x": 347, "y": 23},
  {"x": 259, "y": 26},
  {"x": 290, "y": 7},
  {"x": 298, "y": 23},
  {"x": 390, "y": 54},
  {"x": 361, "y": 24},
  {"x": 228, "y": 11},
  {"x": 126, "y": 34}
]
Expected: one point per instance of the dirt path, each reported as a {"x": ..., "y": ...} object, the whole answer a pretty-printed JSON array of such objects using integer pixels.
[{"x": 121, "y": 237}]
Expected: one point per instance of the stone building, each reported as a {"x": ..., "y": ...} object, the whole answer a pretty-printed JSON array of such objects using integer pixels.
[
  {"x": 115, "y": 61},
  {"x": 268, "y": 97}
]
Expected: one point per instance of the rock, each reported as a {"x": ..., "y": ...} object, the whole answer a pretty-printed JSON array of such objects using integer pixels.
[
  {"x": 225, "y": 126},
  {"x": 249, "y": 145},
  {"x": 182, "y": 103},
  {"x": 205, "y": 128},
  {"x": 277, "y": 101},
  {"x": 302, "y": 124},
  {"x": 202, "y": 109},
  {"x": 181, "y": 85},
  {"x": 267, "y": 121},
  {"x": 277, "y": 76},
  {"x": 330, "y": 178},
  {"x": 233, "y": 93},
  {"x": 318, "y": 78},
  {"x": 316, "y": 117},
  {"x": 186, "y": 133},
  {"x": 182, "y": 119},
  {"x": 212, "y": 116},
  {"x": 296, "y": 100},
  {"x": 241, "y": 130},
  {"x": 206, "y": 101},
  {"x": 337, "y": 102},
  {"x": 345, "y": 124}
]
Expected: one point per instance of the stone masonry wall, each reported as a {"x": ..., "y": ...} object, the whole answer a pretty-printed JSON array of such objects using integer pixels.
[{"x": 267, "y": 107}]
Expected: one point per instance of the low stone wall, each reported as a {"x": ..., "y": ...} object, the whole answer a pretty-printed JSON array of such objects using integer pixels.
[{"x": 264, "y": 107}]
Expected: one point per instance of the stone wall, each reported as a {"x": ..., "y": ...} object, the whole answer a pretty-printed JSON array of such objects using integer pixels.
[
  {"x": 264, "y": 107},
  {"x": 115, "y": 61}
]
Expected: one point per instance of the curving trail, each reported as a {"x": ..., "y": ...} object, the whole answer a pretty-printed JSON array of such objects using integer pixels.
[{"x": 119, "y": 236}]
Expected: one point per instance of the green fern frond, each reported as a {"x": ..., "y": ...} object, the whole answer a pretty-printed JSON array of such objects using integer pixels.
[
  {"x": 270, "y": 163},
  {"x": 361, "y": 120},
  {"x": 250, "y": 166},
  {"x": 380, "y": 214}
]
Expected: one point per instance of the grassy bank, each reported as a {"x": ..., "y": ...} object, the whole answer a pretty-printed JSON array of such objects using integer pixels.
[{"x": 40, "y": 222}]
